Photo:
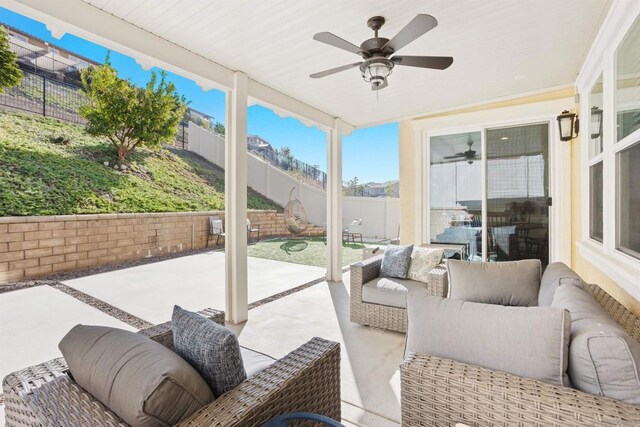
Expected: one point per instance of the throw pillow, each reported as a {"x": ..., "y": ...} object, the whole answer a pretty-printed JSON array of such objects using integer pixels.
[
  {"x": 603, "y": 358},
  {"x": 211, "y": 349},
  {"x": 504, "y": 283},
  {"x": 395, "y": 261},
  {"x": 423, "y": 260},
  {"x": 143, "y": 382}
]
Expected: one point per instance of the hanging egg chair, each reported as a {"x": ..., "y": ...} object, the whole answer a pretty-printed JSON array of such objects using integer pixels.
[{"x": 295, "y": 218}]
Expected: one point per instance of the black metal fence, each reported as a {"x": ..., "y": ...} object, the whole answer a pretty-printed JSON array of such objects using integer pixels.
[
  {"x": 289, "y": 164},
  {"x": 43, "y": 95}
]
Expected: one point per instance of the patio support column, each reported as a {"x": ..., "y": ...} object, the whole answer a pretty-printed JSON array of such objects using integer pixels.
[
  {"x": 235, "y": 173},
  {"x": 334, "y": 202}
]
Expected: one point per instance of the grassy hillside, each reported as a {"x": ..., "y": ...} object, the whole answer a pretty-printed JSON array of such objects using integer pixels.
[{"x": 50, "y": 167}]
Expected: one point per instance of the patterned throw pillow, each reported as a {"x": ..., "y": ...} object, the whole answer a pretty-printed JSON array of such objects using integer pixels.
[
  {"x": 423, "y": 260},
  {"x": 395, "y": 261},
  {"x": 211, "y": 349}
]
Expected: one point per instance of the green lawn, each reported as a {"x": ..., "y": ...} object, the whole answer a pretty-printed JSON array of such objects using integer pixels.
[
  {"x": 51, "y": 167},
  {"x": 307, "y": 251}
]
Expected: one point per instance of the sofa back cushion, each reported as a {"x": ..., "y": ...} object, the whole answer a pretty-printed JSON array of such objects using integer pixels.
[
  {"x": 211, "y": 349},
  {"x": 556, "y": 274},
  {"x": 603, "y": 358},
  {"x": 143, "y": 382},
  {"x": 423, "y": 260},
  {"x": 505, "y": 283},
  {"x": 395, "y": 261},
  {"x": 525, "y": 341}
]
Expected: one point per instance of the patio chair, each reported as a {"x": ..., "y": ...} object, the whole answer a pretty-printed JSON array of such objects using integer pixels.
[
  {"x": 252, "y": 229},
  {"x": 216, "y": 228},
  {"x": 353, "y": 230},
  {"x": 305, "y": 380}
]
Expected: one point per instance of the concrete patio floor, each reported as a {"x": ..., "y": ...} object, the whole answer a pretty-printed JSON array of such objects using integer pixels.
[{"x": 34, "y": 320}]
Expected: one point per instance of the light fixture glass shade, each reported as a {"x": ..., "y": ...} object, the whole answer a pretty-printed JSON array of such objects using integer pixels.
[
  {"x": 566, "y": 124},
  {"x": 376, "y": 70},
  {"x": 596, "y": 122}
]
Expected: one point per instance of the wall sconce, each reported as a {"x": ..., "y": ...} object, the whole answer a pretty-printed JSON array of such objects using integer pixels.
[
  {"x": 596, "y": 122},
  {"x": 568, "y": 122}
]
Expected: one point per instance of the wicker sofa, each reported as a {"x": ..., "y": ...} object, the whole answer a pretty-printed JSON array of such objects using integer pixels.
[
  {"x": 386, "y": 310},
  {"x": 441, "y": 392},
  {"x": 307, "y": 380}
]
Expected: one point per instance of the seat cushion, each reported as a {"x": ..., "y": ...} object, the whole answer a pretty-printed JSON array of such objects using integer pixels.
[
  {"x": 603, "y": 358},
  {"x": 389, "y": 291},
  {"x": 515, "y": 283},
  {"x": 525, "y": 341},
  {"x": 423, "y": 260},
  {"x": 143, "y": 382},
  {"x": 556, "y": 274},
  {"x": 254, "y": 362},
  {"x": 211, "y": 349},
  {"x": 395, "y": 261}
]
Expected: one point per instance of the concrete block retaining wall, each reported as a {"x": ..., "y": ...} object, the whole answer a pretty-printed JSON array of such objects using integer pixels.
[{"x": 40, "y": 245}]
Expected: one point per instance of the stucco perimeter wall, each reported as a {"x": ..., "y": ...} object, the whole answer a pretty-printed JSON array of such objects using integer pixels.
[{"x": 39, "y": 245}]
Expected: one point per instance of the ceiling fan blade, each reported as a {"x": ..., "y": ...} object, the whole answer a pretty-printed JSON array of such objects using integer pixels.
[
  {"x": 382, "y": 86},
  {"x": 414, "y": 29},
  {"x": 328, "y": 72},
  {"x": 455, "y": 156},
  {"x": 333, "y": 40},
  {"x": 436, "y": 62}
]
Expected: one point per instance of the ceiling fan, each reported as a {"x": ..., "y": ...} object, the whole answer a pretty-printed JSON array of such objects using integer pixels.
[
  {"x": 375, "y": 52},
  {"x": 469, "y": 156}
]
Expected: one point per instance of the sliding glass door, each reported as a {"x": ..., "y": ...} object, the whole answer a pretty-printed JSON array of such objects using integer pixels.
[{"x": 507, "y": 221}]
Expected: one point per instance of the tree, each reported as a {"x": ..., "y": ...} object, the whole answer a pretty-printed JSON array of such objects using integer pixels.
[
  {"x": 218, "y": 128},
  {"x": 10, "y": 74},
  {"x": 286, "y": 158},
  {"x": 128, "y": 115},
  {"x": 353, "y": 187}
]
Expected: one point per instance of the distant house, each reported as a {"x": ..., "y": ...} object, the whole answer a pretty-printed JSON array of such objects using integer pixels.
[
  {"x": 381, "y": 189},
  {"x": 256, "y": 143},
  {"x": 41, "y": 57}
]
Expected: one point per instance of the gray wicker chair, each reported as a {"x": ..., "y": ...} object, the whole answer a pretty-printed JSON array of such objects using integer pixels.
[
  {"x": 441, "y": 392},
  {"x": 384, "y": 316},
  {"x": 306, "y": 380}
]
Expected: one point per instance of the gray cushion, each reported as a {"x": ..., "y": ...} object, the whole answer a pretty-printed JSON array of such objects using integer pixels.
[
  {"x": 555, "y": 275},
  {"x": 255, "y": 362},
  {"x": 211, "y": 349},
  {"x": 390, "y": 292},
  {"x": 143, "y": 382},
  {"x": 505, "y": 283},
  {"x": 396, "y": 261},
  {"x": 603, "y": 358},
  {"x": 525, "y": 341}
]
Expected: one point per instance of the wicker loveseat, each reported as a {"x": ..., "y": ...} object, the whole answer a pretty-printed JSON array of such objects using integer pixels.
[
  {"x": 387, "y": 310},
  {"x": 307, "y": 380},
  {"x": 442, "y": 392}
]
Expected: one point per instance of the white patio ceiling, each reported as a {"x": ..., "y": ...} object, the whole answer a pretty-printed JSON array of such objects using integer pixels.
[{"x": 500, "y": 48}]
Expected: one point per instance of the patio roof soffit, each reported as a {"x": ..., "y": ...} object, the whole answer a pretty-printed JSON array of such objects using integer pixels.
[{"x": 86, "y": 21}]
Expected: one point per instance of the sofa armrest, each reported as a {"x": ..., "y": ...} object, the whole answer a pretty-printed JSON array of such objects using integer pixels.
[
  {"x": 163, "y": 334},
  {"x": 366, "y": 270},
  {"x": 438, "y": 281},
  {"x": 438, "y": 391},
  {"x": 305, "y": 380}
]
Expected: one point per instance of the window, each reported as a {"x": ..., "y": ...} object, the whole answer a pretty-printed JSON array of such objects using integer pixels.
[
  {"x": 628, "y": 163},
  {"x": 595, "y": 119},
  {"x": 628, "y": 84},
  {"x": 595, "y": 202}
]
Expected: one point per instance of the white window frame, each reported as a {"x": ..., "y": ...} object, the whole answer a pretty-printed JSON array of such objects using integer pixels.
[
  {"x": 619, "y": 266},
  {"x": 559, "y": 164}
]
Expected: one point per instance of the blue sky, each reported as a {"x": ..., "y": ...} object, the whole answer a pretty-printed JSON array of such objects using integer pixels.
[{"x": 370, "y": 154}]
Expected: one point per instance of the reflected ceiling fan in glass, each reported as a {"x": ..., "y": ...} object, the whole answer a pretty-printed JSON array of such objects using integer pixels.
[
  {"x": 376, "y": 52},
  {"x": 468, "y": 156}
]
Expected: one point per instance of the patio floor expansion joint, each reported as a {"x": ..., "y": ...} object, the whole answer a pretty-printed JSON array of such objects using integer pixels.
[{"x": 106, "y": 308}]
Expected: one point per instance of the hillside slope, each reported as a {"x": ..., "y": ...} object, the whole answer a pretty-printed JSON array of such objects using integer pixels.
[{"x": 50, "y": 167}]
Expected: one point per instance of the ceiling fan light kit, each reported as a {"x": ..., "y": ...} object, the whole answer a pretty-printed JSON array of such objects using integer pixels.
[{"x": 376, "y": 52}]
